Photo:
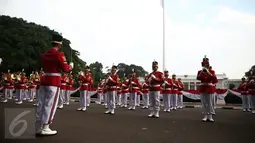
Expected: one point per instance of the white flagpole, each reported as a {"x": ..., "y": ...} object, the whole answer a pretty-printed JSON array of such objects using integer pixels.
[{"x": 163, "y": 6}]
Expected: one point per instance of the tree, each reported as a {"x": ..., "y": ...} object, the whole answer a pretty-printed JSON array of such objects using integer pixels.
[
  {"x": 96, "y": 71},
  {"x": 23, "y": 43},
  {"x": 128, "y": 69},
  {"x": 248, "y": 73}
]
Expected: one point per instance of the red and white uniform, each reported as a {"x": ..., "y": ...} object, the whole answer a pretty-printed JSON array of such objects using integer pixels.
[
  {"x": 8, "y": 86},
  {"x": 125, "y": 91},
  {"x": 167, "y": 91},
  {"x": 133, "y": 88},
  {"x": 99, "y": 92},
  {"x": 85, "y": 81},
  {"x": 69, "y": 88},
  {"x": 32, "y": 89},
  {"x": 251, "y": 92},
  {"x": 245, "y": 95},
  {"x": 112, "y": 82},
  {"x": 180, "y": 95},
  {"x": 118, "y": 97},
  {"x": 63, "y": 90},
  {"x": 145, "y": 90},
  {"x": 21, "y": 86}
]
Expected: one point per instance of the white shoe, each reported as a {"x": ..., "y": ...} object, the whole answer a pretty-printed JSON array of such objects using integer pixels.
[
  {"x": 47, "y": 131},
  {"x": 168, "y": 110},
  {"x": 20, "y": 102},
  {"x": 129, "y": 108},
  {"x": 164, "y": 110},
  {"x": 4, "y": 101},
  {"x": 84, "y": 109},
  {"x": 112, "y": 111},
  {"x": 174, "y": 108},
  {"x": 107, "y": 112},
  {"x": 61, "y": 106},
  {"x": 157, "y": 114},
  {"x": 210, "y": 118},
  {"x": 133, "y": 108},
  {"x": 151, "y": 114},
  {"x": 205, "y": 118},
  {"x": 31, "y": 100},
  {"x": 253, "y": 111},
  {"x": 88, "y": 105},
  {"x": 79, "y": 109},
  {"x": 248, "y": 110},
  {"x": 35, "y": 104},
  {"x": 125, "y": 106},
  {"x": 67, "y": 103},
  {"x": 244, "y": 110}
]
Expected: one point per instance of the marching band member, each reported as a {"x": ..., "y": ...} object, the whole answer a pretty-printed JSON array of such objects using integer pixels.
[
  {"x": 99, "y": 92},
  {"x": 125, "y": 91},
  {"x": 174, "y": 95},
  {"x": 208, "y": 79},
  {"x": 90, "y": 91},
  {"x": 155, "y": 79},
  {"x": 251, "y": 91},
  {"x": 69, "y": 88},
  {"x": 85, "y": 80},
  {"x": 167, "y": 90},
  {"x": 214, "y": 97},
  {"x": 52, "y": 62},
  {"x": 245, "y": 97},
  {"x": 8, "y": 86},
  {"x": 112, "y": 81},
  {"x": 180, "y": 95},
  {"x": 105, "y": 89},
  {"x": 145, "y": 90},
  {"x": 21, "y": 87},
  {"x": 133, "y": 88},
  {"x": 118, "y": 97},
  {"x": 38, "y": 82},
  {"x": 138, "y": 96},
  {"x": 32, "y": 87},
  {"x": 63, "y": 89}
]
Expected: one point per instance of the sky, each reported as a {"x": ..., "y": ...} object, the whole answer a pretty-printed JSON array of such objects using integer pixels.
[{"x": 131, "y": 31}]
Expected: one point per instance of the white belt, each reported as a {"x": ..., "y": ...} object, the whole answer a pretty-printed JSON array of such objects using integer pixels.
[
  {"x": 113, "y": 86},
  {"x": 22, "y": 85},
  {"x": 155, "y": 85},
  {"x": 207, "y": 84},
  {"x": 85, "y": 84},
  {"x": 168, "y": 89},
  {"x": 52, "y": 74},
  {"x": 63, "y": 83},
  {"x": 135, "y": 87}
]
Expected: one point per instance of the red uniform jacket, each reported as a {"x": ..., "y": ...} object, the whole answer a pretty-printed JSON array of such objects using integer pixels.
[
  {"x": 133, "y": 84},
  {"x": 32, "y": 84},
  {"x": 124, "y": 86},
  {"x": 243, "y": 88},
  {"x": 38, "y": 82},
  {"x": 100, "y": 88},
  {"x": 145, "y": 87},
  {"x": 63, "y": 82},
  {"x": 175, "y": 87},
  {"x": 70, "y": 84},
  {"x": 85, "y": 81},
  {"x": 207, "y": 81},
  {"x": 52, "y": 62},
  {"x": 112, "y": 82},
  {"x": 181, "y": 87},
  {"x": 155, "y": 84},
  {"x": 167, "y": 89},
  {"x": 119, "y": 91},
  {"x": 251, "y": 88},
  {"x": 22, "y": 83},
  {"x": 9, "y": 84}
]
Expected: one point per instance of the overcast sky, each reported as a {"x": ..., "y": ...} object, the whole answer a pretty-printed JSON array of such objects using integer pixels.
[{"x": 130, "y": 31}]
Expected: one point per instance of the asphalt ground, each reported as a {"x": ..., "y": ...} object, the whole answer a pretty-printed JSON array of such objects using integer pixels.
[{"x": 182, "y": 126}]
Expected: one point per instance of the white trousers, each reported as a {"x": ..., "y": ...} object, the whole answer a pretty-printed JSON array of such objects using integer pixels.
[
  {"x": 180, "y": 100},
  {"x": 83, "y": 98},
  {"x": 20, "y": 94},
  {"x": 88, "y": 98},
  {"x": 246, "y": 100},
  {"x": 99, "y": 97},
  {"x": 154, "y": 100},
  {"x": 138, "y": 100},
  {"x": 8, "y": 93},
  {"x": 105, "y": 98},
  {"x": 67, "y": 96},
  {"x": 252, "y": 97},
  {"x": 37, "y": 96},
  {"x": 214, "y": 100},
  {"x": 145, "y": 99},
  {"x": 166, "y": 101},
  {"x": 111, "y": 100},
  {"x": 173, "y": 100},
  {"x": 118, "y": 99},
  {"x": 132, "y": 99},
  {"x": 31, "y": 94},
  {"x": 61, "y": 97},
  {"x": 124, "y": 99},
  {"x": 206, "y": 100},
  {"x": 47, "y": 104}
]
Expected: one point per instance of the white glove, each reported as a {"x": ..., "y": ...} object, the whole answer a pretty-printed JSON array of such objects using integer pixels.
[
  {"x": 150, "y": 79},
  {"x": 164, "y": 84},
  {"x": 133, "y": 82},
  {"x": 153, "y": 76},
  {"x": 71, "y": 64}
]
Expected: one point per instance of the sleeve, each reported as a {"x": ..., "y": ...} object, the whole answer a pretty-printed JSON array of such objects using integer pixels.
[
  {"x": 199, "y": 77},
  {"x": 63, "y": 63},
  {"x": 215, "y": 80}
]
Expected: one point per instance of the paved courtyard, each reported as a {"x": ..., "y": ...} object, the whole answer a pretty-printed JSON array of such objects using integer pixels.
[{"x": 183, "y": 126}]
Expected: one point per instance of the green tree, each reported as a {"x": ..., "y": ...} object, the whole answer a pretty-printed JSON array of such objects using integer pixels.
[
  {"x": 96, "y": 71},
  {"x": 251, "y": 71},
  {"x": 23, "y": 43}
]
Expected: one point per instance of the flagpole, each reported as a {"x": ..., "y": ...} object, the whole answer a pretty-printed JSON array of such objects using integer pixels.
[{"x": 164, "y": 62}]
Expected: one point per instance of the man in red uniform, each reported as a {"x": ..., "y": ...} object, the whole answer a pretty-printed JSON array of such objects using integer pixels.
[
  {"x": 63, "y": 89},
  {"x": 125, "y": 91},
  {"x": 112, "y": 81},
  {"x": 85, "y": 81},
  {"x": 52, "y": 62},
  {"x": 118, "y": 97},
  {"x": 105, "y": 90},
  {"x": 245, "y": 97},
  {"x": 208, "y": 79},
  {"x": 99, "y": 92},
  {"x": 133, "y": 88},
  {"x": 145, "y": 90},
  {"x": 8, "y": 86},
  {"x": 180, "y": 96},
  {"x": 32, "y": 87},
  {"x": 69, "y": 88},
  {"x": 175, "y": 91},
  {"x": 155, "y": 79},
  {"x": 166, "y": 91},
  {"x": 21, "y": 87},
  {"x": 38, "y": 83},
  {"x": 251, "y": 90}
]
